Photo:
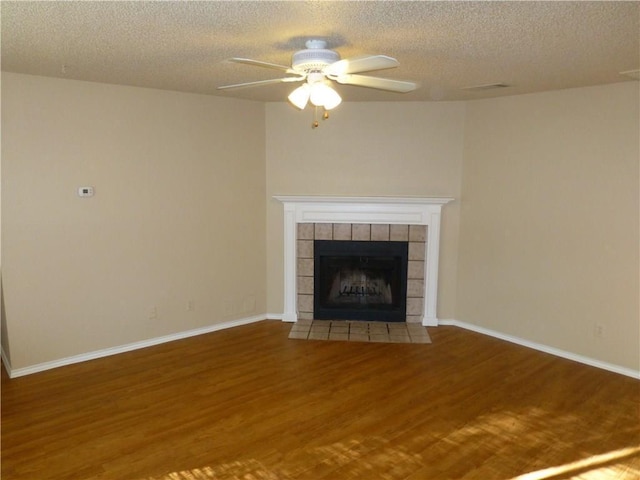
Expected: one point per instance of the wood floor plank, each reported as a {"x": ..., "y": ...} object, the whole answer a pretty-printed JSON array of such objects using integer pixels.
[{"x": 250, "y": 403}]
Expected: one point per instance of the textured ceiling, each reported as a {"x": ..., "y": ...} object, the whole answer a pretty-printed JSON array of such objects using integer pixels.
[{"x": 444, "y": 46}]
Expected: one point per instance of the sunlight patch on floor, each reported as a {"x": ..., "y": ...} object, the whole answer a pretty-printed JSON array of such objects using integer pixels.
[
  {"x": 345, "y": 458},
  {"x": 596, "y": 467},
  {"x": 375, "y": 457},
  {"x": 238, "y": 470}
]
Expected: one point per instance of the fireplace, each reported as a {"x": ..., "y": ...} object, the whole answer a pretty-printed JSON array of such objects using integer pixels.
[
  {"x": 309, "y": 218},
  {"x": 360, "y": 280}
]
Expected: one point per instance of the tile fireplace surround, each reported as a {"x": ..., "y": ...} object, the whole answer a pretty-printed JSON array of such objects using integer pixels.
[
  {"x": 414, "y": 235},
  {"x": 393, "y": 212}
]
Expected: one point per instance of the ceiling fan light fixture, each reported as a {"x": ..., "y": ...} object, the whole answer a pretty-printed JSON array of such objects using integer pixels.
[
  {"x": 300, "y": 96},
  {"x": 322, "y": 95}
]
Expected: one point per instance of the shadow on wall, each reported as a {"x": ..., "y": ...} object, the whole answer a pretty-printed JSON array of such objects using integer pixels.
[{"x": 6, "y": 354}]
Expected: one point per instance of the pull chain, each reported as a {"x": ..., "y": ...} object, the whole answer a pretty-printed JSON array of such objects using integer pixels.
[{"x": 325, "y": 116}]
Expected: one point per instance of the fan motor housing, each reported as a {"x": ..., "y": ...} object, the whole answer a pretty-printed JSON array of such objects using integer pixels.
[{"x": 313, "y": 59}]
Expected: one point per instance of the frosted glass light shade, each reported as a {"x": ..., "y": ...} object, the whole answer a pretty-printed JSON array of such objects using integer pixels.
[
  {"x": 322, "y": 95},
  {"x": 300, "y": 96}
]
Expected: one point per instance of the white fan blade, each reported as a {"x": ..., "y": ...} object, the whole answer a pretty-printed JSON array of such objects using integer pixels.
[
  {"x": 262, "y": 82},
  {"x": 258, "y": 63},
  {"x": 400, "y": 86},
  {"x": 366, "y": 63}
]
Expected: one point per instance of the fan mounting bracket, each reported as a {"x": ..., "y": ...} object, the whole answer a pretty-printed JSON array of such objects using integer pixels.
[{"x": 314, "y": 58}]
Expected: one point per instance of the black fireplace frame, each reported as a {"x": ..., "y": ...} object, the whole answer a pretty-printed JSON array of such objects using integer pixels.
[{"x": 397, "y": 312}]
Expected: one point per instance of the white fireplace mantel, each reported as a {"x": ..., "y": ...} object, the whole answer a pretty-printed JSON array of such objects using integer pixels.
[{"x": 380, "y": 210}]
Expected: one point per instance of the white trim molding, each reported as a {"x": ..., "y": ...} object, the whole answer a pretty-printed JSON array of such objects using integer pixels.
[
  {"x": 544, "y": 348},
  {"x": 41, "y": 367},
  {"x": 380, "y": 210}
]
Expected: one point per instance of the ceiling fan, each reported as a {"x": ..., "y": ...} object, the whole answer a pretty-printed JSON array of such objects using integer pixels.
[{"x": 318, "y": 66}]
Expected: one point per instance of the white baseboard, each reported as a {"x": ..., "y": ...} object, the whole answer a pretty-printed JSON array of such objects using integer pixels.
[
  {"x": 430, "y": 322},
  {"x": 544, "y": 348},
  {"x": 19, "y": 372}
]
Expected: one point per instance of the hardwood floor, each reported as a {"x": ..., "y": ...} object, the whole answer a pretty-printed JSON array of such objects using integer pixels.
[{"x": 249, "y": 403}]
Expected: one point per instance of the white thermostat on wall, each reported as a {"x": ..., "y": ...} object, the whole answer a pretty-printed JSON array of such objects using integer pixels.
[{"x": 85, "y": 191}]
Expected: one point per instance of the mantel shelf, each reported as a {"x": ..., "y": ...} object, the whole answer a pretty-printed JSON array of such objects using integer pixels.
[{"x": 408, "y": 200}]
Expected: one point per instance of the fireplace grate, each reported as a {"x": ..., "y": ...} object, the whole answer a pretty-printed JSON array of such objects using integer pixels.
[{"x": 360, "y": 280}]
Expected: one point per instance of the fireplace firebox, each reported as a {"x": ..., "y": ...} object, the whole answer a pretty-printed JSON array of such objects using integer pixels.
[{"x": 360, "y": 280}]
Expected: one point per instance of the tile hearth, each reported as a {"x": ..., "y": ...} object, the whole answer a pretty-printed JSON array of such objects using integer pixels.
[{"x": 359, "y": 331}]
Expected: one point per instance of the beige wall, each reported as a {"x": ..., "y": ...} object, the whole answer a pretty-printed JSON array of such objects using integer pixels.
[
  {"x": 178, "y": 214},
  {"x": 398, "y": 148},
  {"x": 549, "y": 220},
  {"x": 541, "y": 242}
]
